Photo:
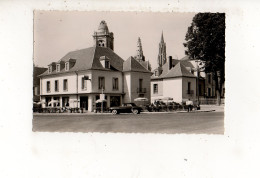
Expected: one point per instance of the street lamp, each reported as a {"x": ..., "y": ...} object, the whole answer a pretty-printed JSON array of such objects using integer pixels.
[
  {"x": 198, "y": 73},
  {"x": 102, "y": 99}
]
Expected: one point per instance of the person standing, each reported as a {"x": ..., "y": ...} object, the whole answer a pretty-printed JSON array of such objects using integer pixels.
[{"x": 189, "y": 104}]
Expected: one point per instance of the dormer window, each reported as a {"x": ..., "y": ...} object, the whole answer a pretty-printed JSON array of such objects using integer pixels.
[
  {"x": 51, "y": 67},
  {"x": 107, "y": 64},
  {"x": 156, "y": 73},
  {"x": 58, "y": 68},
  {"x": 66, "y": 66},
  {"x": 69, "y": 64},
  {"x": 105, "y": 61}
]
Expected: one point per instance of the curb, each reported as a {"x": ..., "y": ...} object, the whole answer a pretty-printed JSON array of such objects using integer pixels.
[{"x": 96, "y": 114}]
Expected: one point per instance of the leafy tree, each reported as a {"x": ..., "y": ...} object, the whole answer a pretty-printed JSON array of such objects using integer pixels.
[{"x": 205, "y": 40}]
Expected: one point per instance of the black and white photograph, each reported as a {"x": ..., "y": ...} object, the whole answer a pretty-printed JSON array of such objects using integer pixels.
[
  {"x": 129, "y": 89},
  {"x": 129, "y": 72}
]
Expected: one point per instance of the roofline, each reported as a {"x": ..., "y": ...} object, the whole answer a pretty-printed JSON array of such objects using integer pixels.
[
  {"x": 53, "y": 74},
  {"x": 161, "y": 79},
  {"x": 181, "y": 76},
  {"x": 93, "y": 57},
  {"x": 138, "y": 71},
  {"x": 68, "y": 72},
  {"x": 173, "y": 77}
]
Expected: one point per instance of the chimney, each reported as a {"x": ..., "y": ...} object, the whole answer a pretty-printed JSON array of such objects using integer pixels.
[{"x": 170, "y": 62}]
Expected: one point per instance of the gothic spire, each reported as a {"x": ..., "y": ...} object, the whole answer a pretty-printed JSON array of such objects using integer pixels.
[
  {"x": 139, "y": 52},
  {"x": 162, "y": 40},
  {"x": 162, "y": 52}
]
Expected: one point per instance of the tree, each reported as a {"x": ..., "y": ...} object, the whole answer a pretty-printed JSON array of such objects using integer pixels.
[{"x": 205, "y": 40}]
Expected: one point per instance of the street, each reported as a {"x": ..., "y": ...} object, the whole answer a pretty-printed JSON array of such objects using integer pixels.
[{"x": 169, "y": 123}]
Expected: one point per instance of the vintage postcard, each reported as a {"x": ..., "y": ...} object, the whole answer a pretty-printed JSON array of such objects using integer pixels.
[
  {"x": 136, "y": 89},
  {"x": 129, "y": 72}
]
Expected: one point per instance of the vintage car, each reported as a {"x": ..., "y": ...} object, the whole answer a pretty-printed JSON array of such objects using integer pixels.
[{"x": 126, "y": 108}]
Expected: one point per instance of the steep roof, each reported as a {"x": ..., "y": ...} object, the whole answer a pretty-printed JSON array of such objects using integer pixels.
[
  {"x": 89, "y": 59},
  {"x": 187, "y": 63},
  {"x": 132, "y": 65},
  {"x": 178, "y": 71},
  {"x": 165, "y": 67}
]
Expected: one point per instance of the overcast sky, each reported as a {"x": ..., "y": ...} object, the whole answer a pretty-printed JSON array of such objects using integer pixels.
[{"x": 58, "y": 32}]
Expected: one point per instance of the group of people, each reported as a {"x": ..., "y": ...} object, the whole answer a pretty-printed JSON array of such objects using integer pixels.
[{"x": 190, "y": 105}]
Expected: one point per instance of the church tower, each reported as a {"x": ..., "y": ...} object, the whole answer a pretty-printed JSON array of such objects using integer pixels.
[
  {"x": 103, "y": 37},
  {"x": 140, "y": 56},
  {"x": 139, "y": 52},
  {"x": 162, "y": 52}
]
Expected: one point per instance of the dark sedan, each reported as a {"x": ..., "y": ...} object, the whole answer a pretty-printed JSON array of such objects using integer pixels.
[{"x": 126, "y": 108}]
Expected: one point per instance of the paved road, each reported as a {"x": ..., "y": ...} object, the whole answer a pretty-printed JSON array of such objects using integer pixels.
[{"x": 170, "y": 123}]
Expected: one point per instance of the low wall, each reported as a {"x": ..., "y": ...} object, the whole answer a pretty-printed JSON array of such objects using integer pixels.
[{"x": 211, "y": 101}]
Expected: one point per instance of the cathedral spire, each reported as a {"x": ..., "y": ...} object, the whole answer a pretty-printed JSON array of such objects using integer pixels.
[
  {"x": 140, "y": 56},
  {"x": 162, "y": 40},
  {"x": 162, "y": 52},
  {"x": 139, "y": 52}
]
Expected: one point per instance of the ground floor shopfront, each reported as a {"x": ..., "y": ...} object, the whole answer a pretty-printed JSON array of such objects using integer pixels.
[{"x": 86, "y": 101}]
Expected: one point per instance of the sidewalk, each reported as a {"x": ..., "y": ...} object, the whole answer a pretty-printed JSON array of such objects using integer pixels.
[
  {"x": 68, "y": 114},
  {"x": 212, "y": 107},
  {"x": 203, "y": 108}
]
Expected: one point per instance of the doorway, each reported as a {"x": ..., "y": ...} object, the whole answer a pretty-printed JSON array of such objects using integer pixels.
[
  {"x": 114, "y": 101},
  {"x": 65, "y": 102},
  {"x": 84, "y": 102}
]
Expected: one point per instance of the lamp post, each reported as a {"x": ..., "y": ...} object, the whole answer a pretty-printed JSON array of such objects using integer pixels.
[
  {"x": 198, "y": 73},
  {"x": 102, "y": 100}
]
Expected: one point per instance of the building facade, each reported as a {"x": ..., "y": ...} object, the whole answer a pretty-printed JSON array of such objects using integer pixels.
[
  {"x": 173, "y": 78},
  {"x": 210, "y": 84},
  {"x": 84, "y": 76},
  {"x": 207, "y": 84},
  {"x": 175, "y": 81},
  {"x": 137, "y": 80}
]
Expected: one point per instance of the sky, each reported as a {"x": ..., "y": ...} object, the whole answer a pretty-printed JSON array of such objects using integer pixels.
[{"x": 58, "y": 32}]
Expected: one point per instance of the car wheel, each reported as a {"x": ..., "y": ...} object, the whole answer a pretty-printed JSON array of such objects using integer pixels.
[
  {"x": 135, "y": 111},
  {"x": 114, "y": 111}
]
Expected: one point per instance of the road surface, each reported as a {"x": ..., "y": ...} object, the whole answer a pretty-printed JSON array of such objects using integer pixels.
[{"x": 169, "y": 123}]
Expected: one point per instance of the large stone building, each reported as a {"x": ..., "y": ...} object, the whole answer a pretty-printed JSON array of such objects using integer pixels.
[{"x": 80, "y": 77}]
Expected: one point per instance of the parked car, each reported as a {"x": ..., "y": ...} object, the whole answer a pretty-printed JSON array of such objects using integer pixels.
[{"x": 126, "y": 108}]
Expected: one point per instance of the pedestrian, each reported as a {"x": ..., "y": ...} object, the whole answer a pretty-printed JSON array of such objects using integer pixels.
[{"x": 189, "y": 104}]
